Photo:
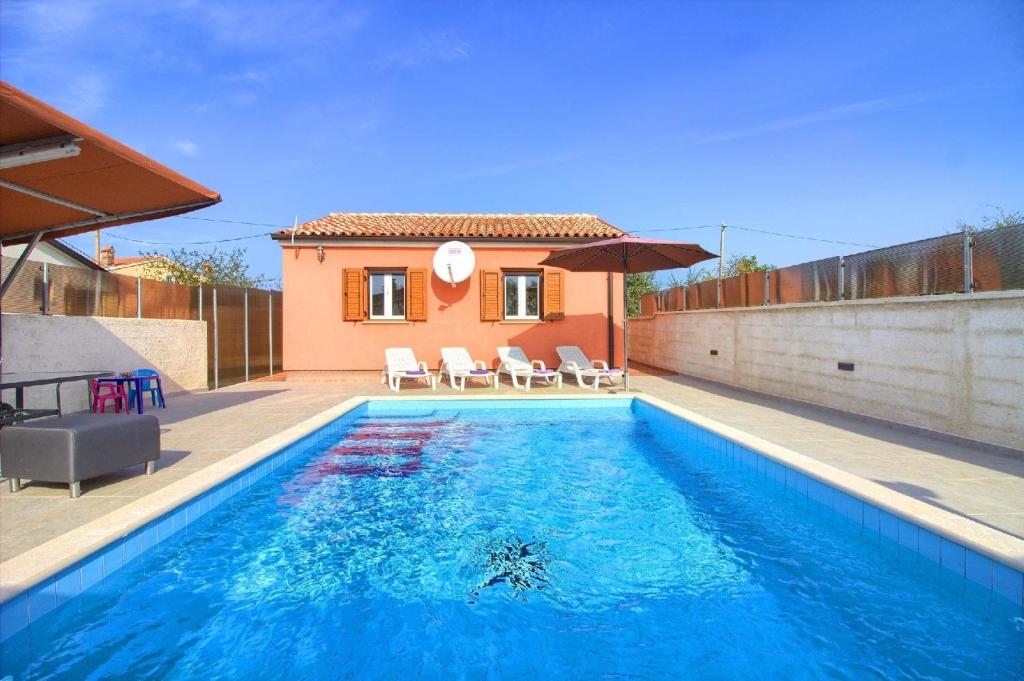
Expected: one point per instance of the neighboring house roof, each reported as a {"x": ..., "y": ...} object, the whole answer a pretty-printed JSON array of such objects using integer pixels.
[
  {"x": 135, "y": 260},
  {"x": 454, "y": 226}
]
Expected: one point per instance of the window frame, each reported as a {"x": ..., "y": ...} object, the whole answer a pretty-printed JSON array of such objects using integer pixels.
[
  {"x": 389, "y": 292},
  {"x": 521, "y": 287}
]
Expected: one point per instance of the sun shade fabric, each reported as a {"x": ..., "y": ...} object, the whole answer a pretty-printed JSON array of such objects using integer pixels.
[
  {"x": 491, "y": 296},
  {"x": 643, "y": 255},
  {"x": 554, "y": 295},
  {"x": 353, "y": 298},
  {"x": 416, "y": 295},
  {"x": 106, "y": 176}
]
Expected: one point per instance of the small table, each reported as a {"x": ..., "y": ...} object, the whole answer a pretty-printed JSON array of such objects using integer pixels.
[
  {"x": 18, "y": 381},
  {"x": 137, "y": 380}
]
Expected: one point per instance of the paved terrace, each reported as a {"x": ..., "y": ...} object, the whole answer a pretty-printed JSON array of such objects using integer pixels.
[{"x": 203, "y": 428}]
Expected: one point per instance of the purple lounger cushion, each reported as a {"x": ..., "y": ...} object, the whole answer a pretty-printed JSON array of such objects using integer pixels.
[
  {"x": 479, "y": 372},
  {"x": 544, "y": 372},
  {"x": 415, "y": 372}
]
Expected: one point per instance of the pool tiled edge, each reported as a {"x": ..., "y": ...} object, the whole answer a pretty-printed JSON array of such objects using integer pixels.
[
  {"x": 984, "y": 555},
  {"x": 38, "y": 581}
]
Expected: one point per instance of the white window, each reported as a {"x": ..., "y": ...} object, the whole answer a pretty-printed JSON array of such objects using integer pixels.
[
  {"x": 387, "y": 295},
  {"x": 522, "y": 295}
]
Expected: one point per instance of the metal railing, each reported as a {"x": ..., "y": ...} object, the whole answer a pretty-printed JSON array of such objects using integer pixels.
[
  {"x": 964, "y": 262},
  {"x": 243, "y": 324}
]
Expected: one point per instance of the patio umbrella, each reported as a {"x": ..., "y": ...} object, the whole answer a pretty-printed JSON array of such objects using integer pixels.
[{"x": 628, "y": 255}]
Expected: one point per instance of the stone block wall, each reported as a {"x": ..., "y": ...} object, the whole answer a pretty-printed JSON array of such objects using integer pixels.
[{"x": 952, "y": 363}]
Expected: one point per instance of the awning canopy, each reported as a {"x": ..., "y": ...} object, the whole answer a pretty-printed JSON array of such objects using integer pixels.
[{"x": 90, "y": 181}]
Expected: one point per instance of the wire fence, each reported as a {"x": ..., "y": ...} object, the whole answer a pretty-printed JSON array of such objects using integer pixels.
[
  {"x": 990, "y": 260},
  {"x": 243, "y": 324}
]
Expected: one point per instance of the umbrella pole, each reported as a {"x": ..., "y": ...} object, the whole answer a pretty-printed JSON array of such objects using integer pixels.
[{"x": 625, "y": 325}]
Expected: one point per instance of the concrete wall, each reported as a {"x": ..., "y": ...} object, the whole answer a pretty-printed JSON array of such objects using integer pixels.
[
  {"x": 953, "y": 363},
  {"x": 175, "y": 348}
]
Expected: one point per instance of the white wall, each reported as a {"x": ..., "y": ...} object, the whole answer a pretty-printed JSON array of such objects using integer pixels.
[
  {"x": 43, "y": 252},
  {"x": 952, "y": 363},
  {"x": 175, "y": 348}
]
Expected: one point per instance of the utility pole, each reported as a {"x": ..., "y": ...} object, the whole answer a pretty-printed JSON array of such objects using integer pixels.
[
  {"x": 97, "y": 247},
  {"x": 721, "y": 264}
]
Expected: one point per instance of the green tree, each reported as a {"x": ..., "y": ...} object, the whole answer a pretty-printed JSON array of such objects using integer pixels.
[
  {"x": 637, "y": 285},
  {"x": 734, "y": 266},
  {"x": 195, "y": 267},
  {"x": 1002, "y": 218}
]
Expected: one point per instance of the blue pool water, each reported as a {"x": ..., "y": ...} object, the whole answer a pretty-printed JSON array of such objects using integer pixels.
[{"x": 530, "y": 543}]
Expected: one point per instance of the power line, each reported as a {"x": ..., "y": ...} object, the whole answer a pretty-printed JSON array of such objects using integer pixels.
[
  {"x": 212, "y": 241},
  {"x": 235, "y": 222},
  {"x": 646, "y": 231},
  {"x": 760, "y": 231},
  {"x": 676, "y": 229},
  {"x": 190, "y": 243},
  {"x": 800, "y": 236}
]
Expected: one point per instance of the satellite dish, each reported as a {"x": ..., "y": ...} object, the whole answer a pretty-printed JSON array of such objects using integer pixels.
[{"x": 454, "y": 262}]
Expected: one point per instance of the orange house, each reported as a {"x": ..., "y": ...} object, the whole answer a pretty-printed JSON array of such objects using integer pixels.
[{"x": 357, "y": 283}]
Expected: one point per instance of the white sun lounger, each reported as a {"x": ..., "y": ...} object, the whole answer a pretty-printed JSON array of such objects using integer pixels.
[
  {"x": 401, "y": 363},
  {"x": 576, "y": 363},
  {"x": 459, "y": 365},
  {"x": 517, "y": 366}
]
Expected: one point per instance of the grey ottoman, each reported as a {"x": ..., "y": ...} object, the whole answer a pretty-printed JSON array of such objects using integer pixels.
[{"x": 77, "y": 447}]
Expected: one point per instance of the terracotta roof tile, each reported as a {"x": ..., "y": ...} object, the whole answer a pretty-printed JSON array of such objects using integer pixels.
[
  {"x": 133, "y": 260},
  {"x": 456, "y": 225}
]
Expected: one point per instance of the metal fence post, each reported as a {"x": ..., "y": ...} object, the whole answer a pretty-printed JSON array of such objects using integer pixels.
[
  {"x": 138, "y": 297},
  {"x": 841, "y": 283},
  {"x": 44, "y": 307},
  {"x": 767, "y": 288},
  {"x": 270, "y": 324},
  {"x": 721, "y": 266},
  {"x": 245, "y": 331},
  {"x": 216, "y": 343},
  {"x": 968, "y": 262}
]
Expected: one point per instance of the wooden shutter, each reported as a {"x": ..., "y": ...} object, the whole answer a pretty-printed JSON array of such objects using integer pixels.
[
  {"x": 554, "y": 294},
  {"x": 353, "y": 294},
  {"x": 491, "y": 296},
  {"x": 416, "y": 296}
]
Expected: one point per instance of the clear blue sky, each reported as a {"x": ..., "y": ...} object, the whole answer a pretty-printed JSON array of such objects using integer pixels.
[{"x": 865, "y": 122}]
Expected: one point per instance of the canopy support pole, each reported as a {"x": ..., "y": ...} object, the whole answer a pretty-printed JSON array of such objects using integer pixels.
[
  {"x": 20, "y": 261},
  {"x": 625, "y": 324}
]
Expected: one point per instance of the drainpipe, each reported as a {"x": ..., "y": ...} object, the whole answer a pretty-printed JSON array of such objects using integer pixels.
[{"x": 611, "y": 321}]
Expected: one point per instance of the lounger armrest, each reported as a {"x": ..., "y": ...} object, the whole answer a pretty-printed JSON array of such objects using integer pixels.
[
  {"x": 600, "y": 364},
  {"x": 423, "y": 367},
  {"x": 538, "y": 364},
  {"x": 480, "y": 364},
  {"x": 571, "y": 366}
]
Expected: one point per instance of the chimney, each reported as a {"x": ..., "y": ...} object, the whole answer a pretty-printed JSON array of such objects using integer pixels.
[{"x": 107, "y": 256}]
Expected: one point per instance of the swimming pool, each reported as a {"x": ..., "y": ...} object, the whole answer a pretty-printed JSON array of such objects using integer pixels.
[{"x": 522, "y": 539}]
